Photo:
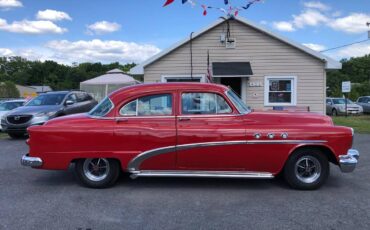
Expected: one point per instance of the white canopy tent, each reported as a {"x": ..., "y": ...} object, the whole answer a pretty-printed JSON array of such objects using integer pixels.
[{"x": 103, "y": 85}]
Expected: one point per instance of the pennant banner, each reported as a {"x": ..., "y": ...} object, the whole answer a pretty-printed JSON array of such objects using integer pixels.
[{"x": 230, "y": 12}]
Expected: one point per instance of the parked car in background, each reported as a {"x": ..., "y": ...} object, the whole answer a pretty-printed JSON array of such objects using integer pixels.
[
  {"x": 190, "y": 130},
  {"x": 45, "y": 107},
  {"x": 365, "y": 103},
  {"x": 6, "y": 106},
  {"x": 337, "y": 106}
]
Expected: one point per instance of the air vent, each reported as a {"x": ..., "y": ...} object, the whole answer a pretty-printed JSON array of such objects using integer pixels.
[{"x": 230, "y": 43}]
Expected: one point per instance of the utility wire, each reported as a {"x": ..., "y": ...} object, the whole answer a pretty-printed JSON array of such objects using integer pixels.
[{"x": 334, "y": 48}]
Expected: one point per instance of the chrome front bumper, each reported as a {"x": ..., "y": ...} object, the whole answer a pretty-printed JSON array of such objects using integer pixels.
[
  {"x": 347, "y": 163},
  {"x": 31, "y": 161}
]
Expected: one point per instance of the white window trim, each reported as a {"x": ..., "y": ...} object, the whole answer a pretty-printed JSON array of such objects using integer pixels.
[
  {"x": 294, "y": 90},
  {"x": 202, "y": 77}
]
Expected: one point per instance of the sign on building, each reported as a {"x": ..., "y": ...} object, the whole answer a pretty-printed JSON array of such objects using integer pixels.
[{"x": 346, "y": 86}]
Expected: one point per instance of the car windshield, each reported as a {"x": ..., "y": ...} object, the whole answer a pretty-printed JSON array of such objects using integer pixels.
[
  {"x": 47, "y": 99},
  {"x": 341, "y": 101},
  {"x": 102, "y": 108},
  {"x": 239, "y": 104},
  {"x": 6, "y": 106}
]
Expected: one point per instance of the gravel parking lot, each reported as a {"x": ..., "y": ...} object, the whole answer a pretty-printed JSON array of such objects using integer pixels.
[{"x": 38, "y": 199}]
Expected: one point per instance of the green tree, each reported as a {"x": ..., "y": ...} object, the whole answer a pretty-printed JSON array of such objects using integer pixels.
[
  {"x": 8, "y": 90},
  {"x": 58, "y": 76},
  {"x": 356, "y": 70}
]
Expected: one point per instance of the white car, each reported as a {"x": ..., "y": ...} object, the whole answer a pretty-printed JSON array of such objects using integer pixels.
[{"x": 7, "y": 106}]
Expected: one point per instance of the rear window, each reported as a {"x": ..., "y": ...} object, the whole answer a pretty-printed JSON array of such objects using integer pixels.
[
  {"x": 102, "y": 109},
  {"x": 82, "y": 96}
]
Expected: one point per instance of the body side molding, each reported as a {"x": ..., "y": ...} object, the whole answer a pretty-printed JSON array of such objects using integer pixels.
[
  {"x": 207, "y": 174},
  {"x": 134, "y": 164}
]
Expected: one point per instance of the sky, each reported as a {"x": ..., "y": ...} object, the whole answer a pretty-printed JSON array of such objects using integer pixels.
[{"x": 127, "y": 31}]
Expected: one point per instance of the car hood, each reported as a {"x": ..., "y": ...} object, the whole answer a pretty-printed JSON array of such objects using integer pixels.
[
  {"x": 31, "y": 110},
  {"x": 288, "y": 118}
]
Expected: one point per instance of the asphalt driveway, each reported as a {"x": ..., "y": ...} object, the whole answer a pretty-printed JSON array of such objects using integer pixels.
[{"x": 38, "y": 199}]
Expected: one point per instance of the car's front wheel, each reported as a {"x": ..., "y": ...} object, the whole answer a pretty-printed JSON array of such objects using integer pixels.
[
  {"x": 307, "y": 169},
  {"x": 97, "y": 172}
]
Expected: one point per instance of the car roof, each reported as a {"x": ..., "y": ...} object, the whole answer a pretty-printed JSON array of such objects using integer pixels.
[
  {"x": 158, "y": 87},
  {"x": 56, "y": 92}
]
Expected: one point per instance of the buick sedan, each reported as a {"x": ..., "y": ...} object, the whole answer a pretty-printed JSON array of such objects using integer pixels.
[{"x": 190, "y": 130}]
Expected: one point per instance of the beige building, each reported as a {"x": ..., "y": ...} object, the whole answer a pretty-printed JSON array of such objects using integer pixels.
[
  {"x": 26, "y": 91},
  {"x": 267, "y": 70},
  {"x": 32, "y": 91}
]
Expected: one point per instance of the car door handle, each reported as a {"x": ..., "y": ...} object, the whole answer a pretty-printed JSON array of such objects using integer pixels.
[
  {"x": 119, "y": 120},
  {"x": 184, "y": 119}
]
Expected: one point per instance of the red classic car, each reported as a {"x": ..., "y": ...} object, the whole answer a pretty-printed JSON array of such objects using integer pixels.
[{"x": 190, "y": 130}]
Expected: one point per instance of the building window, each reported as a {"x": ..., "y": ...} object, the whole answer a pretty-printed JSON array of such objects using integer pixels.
[
  {"x": 183, "y": 78},
  {"x": 280, "y": 90}
]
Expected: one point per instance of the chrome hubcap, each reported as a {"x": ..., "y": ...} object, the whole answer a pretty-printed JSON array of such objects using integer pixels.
[
  {"x": 307, "y": 169},
  {"x": 96, "y": 169}
]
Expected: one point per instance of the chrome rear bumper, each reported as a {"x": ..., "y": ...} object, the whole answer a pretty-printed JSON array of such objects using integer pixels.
[
  {"x": 31, "y": 161},
  {"x": 347, "y": 163}
]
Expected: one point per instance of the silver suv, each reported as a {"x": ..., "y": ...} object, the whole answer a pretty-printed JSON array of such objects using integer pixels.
[
  {"x": 336, "y": 106},
  {"x": 43, "y": 108}
]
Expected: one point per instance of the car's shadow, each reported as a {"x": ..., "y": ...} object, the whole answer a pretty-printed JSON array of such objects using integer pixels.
[
  {"x": 201, "y": 183},
  {"x": 67, "y": 178}
]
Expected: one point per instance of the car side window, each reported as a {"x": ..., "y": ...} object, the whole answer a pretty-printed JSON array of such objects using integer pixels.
[
  {"x": 328, "y": 101},
  {"x": 80, "y": 97},
  {"x": 361, "y": 100},
  {"x": 88, "y": 97},
  {"x": 204, "y": 103},
  {"x": 153, "y": 105},
  {"x": 72, "y": 97}
]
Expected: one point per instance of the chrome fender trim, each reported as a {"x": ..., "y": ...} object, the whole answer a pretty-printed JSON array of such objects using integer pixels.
[{"x": 134, "y": 164}]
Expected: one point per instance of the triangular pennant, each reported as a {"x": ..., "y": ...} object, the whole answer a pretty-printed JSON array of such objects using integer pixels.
[{"x": 168, "y": 2}]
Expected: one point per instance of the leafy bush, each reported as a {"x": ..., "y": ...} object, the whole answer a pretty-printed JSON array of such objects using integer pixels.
[{"x": 8, "y": 90}]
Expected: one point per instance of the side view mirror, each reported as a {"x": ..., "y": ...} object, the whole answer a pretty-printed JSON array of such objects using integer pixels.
[
  {"x": 329, "y": 103},
  {"x": 69, "y": 102}
]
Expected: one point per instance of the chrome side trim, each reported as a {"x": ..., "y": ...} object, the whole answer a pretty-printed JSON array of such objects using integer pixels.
[
  {"x": 134, "y": 164},
  {"x": 209, "y": 144},
  {"x": 286, "y": 142},
  {"x": 207, "y": 174}
]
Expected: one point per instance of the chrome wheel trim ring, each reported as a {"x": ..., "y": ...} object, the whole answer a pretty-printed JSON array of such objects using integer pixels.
[
  {"x": 307, "y": 169},
  {"x": 96, "y": 169}
]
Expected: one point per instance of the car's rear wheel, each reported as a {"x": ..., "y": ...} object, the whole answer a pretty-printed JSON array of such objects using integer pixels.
[
  {"x": 307, "y": 169},
  {"x": 97, "y": 172},
  {"x": 16, "y": 135}
]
